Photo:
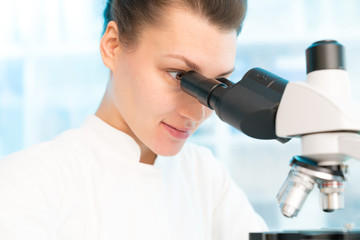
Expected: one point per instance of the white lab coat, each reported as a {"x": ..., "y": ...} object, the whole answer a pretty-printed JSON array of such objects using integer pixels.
[{"x": 89, "y": 184}]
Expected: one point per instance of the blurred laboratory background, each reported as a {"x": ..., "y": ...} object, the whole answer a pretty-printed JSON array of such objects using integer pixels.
[{"x": 52, "y": 78}]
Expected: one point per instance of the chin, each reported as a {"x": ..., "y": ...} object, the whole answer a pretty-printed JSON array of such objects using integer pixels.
[{"x": 168, "y": 150}]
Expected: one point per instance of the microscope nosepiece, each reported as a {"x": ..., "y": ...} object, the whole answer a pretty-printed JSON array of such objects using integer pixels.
[{"x": 301, "y": 180}]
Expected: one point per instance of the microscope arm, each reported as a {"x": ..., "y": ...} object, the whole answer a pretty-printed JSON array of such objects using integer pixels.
[
  {"x": 307, "y": 109},
  {"x": 322, "y": 113}
]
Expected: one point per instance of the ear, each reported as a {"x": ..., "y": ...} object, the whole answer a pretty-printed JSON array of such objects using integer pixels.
[{"x": 109, "y": 44}]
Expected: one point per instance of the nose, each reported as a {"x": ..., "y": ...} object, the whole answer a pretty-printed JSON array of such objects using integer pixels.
[{"x": 192, "y": 109}]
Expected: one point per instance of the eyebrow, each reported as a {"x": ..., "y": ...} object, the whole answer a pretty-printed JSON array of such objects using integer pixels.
[{"x": 194, "y": 66}]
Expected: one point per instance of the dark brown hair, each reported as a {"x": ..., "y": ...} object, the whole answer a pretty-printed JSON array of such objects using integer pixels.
[{"x": 131, "y": 15}]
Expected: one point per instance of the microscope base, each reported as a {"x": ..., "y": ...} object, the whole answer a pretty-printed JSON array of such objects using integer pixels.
[{"x": 300, "y": 235}]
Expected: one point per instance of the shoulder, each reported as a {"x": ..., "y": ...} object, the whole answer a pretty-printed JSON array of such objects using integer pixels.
[
  {"x": 200, "y": 158},
  {"x": 43, "y": 161},
  {"x": 197, "y": 164},
  {"x": 36, "y": 181},
  {"x": 199, "y": 161},
  {"x": 233, "y": 213},
  {"x": 47, "y": 149},
  {"x": 197, "y": 154},
  {"x": 195, "y": 151}
]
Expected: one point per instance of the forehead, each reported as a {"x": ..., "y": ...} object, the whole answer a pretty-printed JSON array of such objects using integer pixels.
[{"x": 195, "y": 38}]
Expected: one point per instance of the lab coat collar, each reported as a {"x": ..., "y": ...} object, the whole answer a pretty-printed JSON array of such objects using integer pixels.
[{"x": 113, "y": 140}]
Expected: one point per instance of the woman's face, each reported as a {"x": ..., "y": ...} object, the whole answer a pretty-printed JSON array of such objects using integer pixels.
[{"x": 148, "y": 103}]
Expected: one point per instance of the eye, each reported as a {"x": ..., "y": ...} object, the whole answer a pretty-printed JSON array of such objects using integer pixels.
[{"x": 176, "y": 74}]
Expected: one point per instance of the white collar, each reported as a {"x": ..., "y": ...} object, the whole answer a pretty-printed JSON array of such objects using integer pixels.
[
  {"x": 119, "y": 147},
  {"x": 115, "y": 140}
]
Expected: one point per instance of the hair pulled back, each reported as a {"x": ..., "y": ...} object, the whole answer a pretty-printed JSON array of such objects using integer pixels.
[{"x": 131, "y": 15}]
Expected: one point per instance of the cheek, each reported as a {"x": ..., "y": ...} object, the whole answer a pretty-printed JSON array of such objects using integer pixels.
[
  {"x": 154, "y": 97},
  {"x": 144, "y": 91},
  {"x": 208, "y": 113}
]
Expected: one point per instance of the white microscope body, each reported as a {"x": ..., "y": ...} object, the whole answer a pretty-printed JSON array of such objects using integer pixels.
[
  {"x": 320, "y": 111},
  {"x": 323, "y": 114}
]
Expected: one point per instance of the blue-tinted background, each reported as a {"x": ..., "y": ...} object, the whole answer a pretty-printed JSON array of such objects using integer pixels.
[{"x": 52, "y": 77}]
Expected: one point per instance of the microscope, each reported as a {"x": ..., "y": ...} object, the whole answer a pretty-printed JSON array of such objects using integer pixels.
[{"x": 319, "y": 111}]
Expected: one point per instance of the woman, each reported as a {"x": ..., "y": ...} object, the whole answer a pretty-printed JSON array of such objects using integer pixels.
[{"x": 125, "y": 173}]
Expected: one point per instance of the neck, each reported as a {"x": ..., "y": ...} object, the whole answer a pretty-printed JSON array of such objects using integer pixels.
[
  {"x": 147, "y": 156},
  {"x": 109, "y": 114}
]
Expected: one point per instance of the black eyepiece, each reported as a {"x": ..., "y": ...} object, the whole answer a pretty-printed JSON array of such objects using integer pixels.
[{"x": 325, "y": 54}]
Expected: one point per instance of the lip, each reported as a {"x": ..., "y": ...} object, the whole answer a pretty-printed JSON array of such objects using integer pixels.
[{"x": 180, "y": 133}]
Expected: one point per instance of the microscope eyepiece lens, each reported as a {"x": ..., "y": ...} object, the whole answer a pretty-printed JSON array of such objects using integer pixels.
[
  {"x": 199, "y": 86},
  {"x": 327, "y": 54}
]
